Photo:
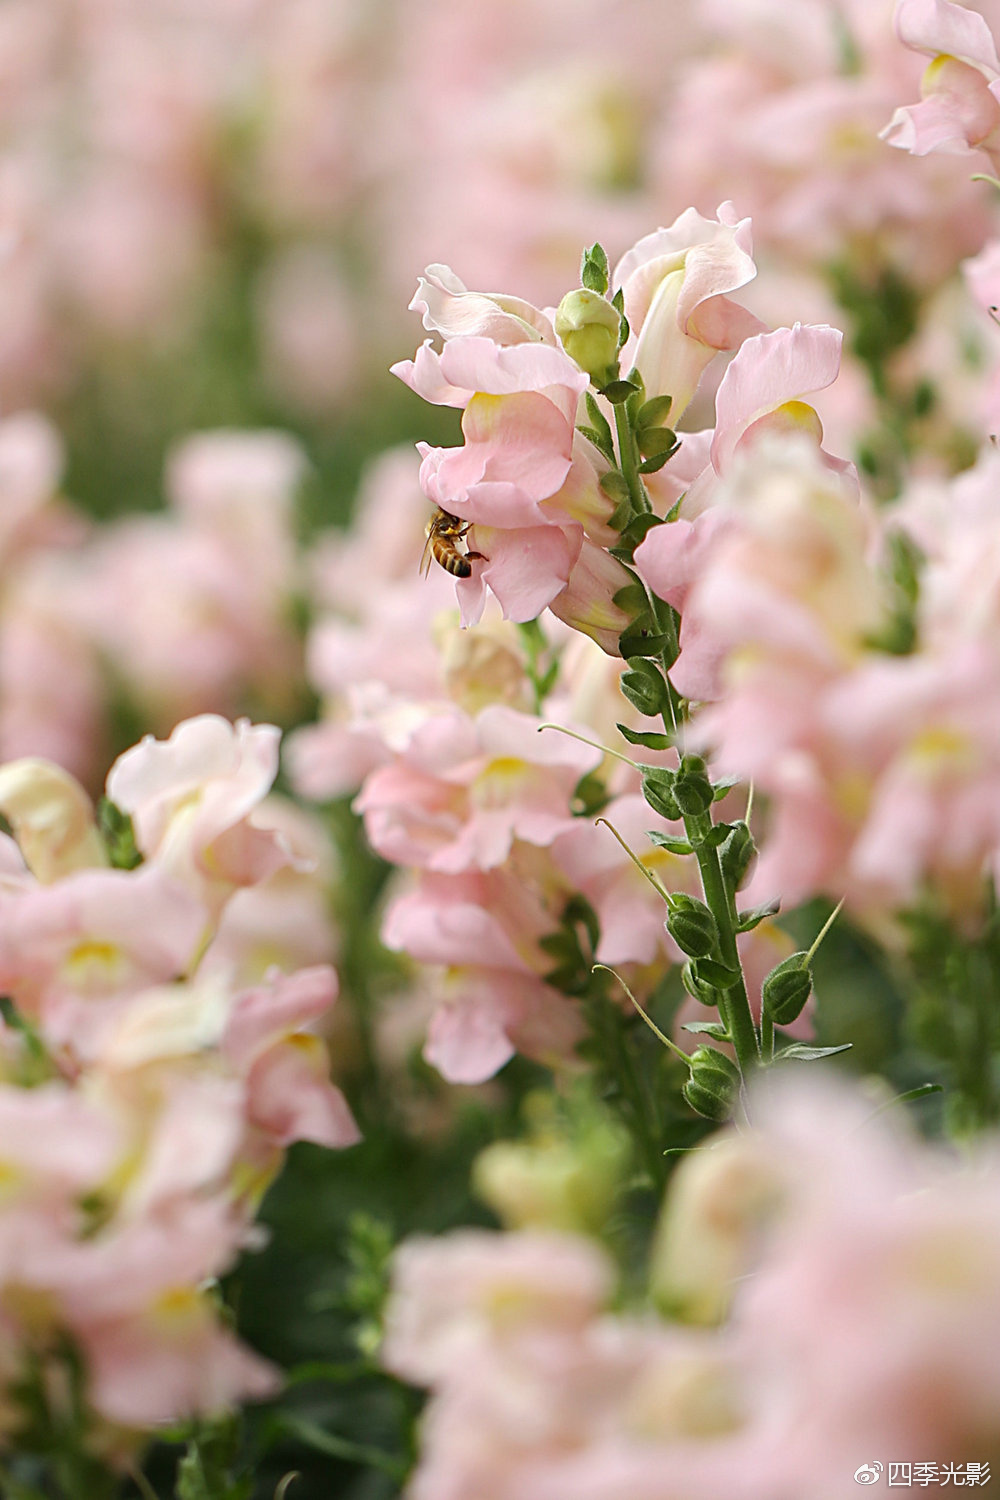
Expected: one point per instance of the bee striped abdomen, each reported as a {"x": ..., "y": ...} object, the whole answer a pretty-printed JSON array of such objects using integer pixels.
[{"x": 443, "y": 531}]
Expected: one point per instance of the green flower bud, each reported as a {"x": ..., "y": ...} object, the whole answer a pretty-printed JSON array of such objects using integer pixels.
[
  {"x": 692, "y": 789},
  {"x": 587, "y": 326},
  {"x": 643, "y": 686},
  {"x": 698, "y": 988},
  {"x": 736, "y": 855},
  {"x": 692, "y": 926},
  {"x": 786, "y": 989},
  {"x": 657, "y": 788},
  {"x": 713, "y": 1084}
]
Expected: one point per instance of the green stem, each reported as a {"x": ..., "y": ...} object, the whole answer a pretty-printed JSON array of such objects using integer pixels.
[
  {"x": 629, "y": 462},
  {"x": 735, "y": 1005}
]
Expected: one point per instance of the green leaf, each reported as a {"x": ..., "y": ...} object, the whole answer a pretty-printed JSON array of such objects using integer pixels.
[
  {"x": 638, "y": 640},
  {"x": 631, "y": 598},
  {"x": 638, "y": 528},
  {"x": 746, "y": 921},
  {"x": 644, "y": 686},
  {"x": 599, "y": 420},
  {"x": 655, "y": 442},
  {"x": 590, "y": 796},
  {"x": 594, "y": 269},
  {"x": 810, "y": 1054},
  {"x": 614, "y": 485},
  {"x": 655, "y": 464},
  {"x": 618, "y": 391},
  {"x": 593, "y": 436},
  {"x": 669, "y": 842},
  {"x": 116, "y": 830},
  {"x": 715, "y": 836},
  {"x": 725, "y": 785},
  {"x": 717, "y": 974},
  {"x": 654, "y": 413},
  {"x": 707, "y": 1028},
  {"x": 648, "y": 739}
]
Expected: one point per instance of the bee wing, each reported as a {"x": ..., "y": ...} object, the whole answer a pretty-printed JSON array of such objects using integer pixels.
[{"x": 425, "y": 556}]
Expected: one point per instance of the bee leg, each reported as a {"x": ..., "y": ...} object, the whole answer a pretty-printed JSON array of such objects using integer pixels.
[{"x": 477, "y": 556}]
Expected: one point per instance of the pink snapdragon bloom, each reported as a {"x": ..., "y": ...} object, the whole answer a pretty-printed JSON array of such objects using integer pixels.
[
  {"x": 192, "y": 799},
  {"x": 486, "y": 929},
  {"x": 675, "y": 282},
  {"x": 786, "y": 570},
  {"x": 465, "y": 790},
  {"x": 525, "y": 480},
  {"x": 849, "y": 1268},
  {"x": 450, "y": 309},
  {"x": 286, "y": 1066},
  {"x": 78, "y": 951},
  {"x": 960, "y": 108}
]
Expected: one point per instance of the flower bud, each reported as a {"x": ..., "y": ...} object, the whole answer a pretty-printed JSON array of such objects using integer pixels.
[
  {"x": 712, "y": 1086},
  {"x": 657, "y": 788},
  {"x": 52, "y": 819},
  {"x": 698, "y": 988},
  {"x": 736, "y": 855},
  {"x": 786, "y": 989},
  {"x": 692, "y": 926},
  {"x": 588, "y": 327},
  {"x": 720, "y": 1200},
  {"x": 693, "y": 791}
]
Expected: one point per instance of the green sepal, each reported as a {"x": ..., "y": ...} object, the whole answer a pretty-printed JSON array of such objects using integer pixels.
[
  {"x": 810, "y": 1054},
  {"x": 699, "y": 989},
  {"x": 644, "y": 686},
  {"x": 599, "y": 421},
  {"x": 590, "y": 796},
  {"x": 669, "y": 842},
  {"x": 638, "y": 529},
  {"x": 746, "y": 921},
  {"x": 692, "y": 926},
  {"x": 631, "y": 598},
  {"x": 593, "y": 435},
  {"x": 657, "y": 462},
  {"x": 712, "y": 1086},
  {"x": 725, "y": 785},
  {"x": 657, "y": 442},
  {"x": 654, "y": 413},
  {"x": 638, "y": 640},
  {"x": 614, "y": 485},
  {"x": 658, "y": 790},
  {"x": 648, "y": 739},
  {"x": 594, "y": 269},
  {"x": 116, "y": 830},
  {"x": 718, "y": 975},
  {"x": 737, "y": 854},
  {"x": 787, "y": 988},
  {"x": 618, "y": 391},
  {"x": 692, "y": 788}
]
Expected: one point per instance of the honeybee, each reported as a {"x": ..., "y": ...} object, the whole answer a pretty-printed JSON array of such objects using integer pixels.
[{"x": 443, "y": 531}]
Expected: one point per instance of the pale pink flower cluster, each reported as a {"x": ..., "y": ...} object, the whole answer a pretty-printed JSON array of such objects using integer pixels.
[
  {"x": 170, "y": 1067},
  {"x": 440, "y": 728},
  {"x": 135, "y": 139},
  {"x": 848, "y": 1269},
  {"x": 51, "y": 693},
  {"x": 191, "y": 610},
  {"x": 789, "y": 101},
  {"x": 526, "y": 481},
  {"x": 881, "y": 768}
]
